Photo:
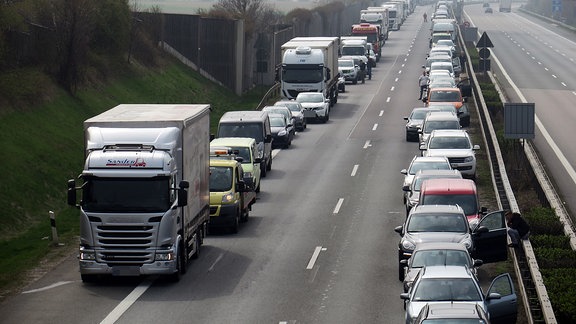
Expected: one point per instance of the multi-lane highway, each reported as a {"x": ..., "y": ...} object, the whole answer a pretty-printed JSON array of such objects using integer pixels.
[
  {"x": 539, "y": 64},
  {"x": 319, "y": 246}
]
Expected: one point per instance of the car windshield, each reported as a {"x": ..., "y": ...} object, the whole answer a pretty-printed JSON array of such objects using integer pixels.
[
  {"x": 449, "y": 142},
  {"x": 431, "y": 125},
  {"x": 417, "y": 166},
  {"x": 291, "y": 105},
  {"x": 346, "y": 63},
  {"x": 243, "y": 152},
  {"x": 253, "y": 130},
  {"x": 220, "y": 179},
  {"x": 468, "y": 202},
  {"x": 310, "y": 97},
  {"x": 437, "y": 223},
  {"x": 278, "y": 110},
  {"x": 445, "y": 42},
  {"x": 440, "y": 257},
  {"x": 277, "y": 122},
  {"x": 454, "y": 321},
  {"x": 441, "y": 95},
  {"x": 353, "y": 50},
  {"x": 419, "y": 114},
  {"x": 446, "y": 289}
]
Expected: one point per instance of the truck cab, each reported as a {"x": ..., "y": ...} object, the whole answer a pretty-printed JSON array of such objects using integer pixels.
[{"x": 230, "y": 197}]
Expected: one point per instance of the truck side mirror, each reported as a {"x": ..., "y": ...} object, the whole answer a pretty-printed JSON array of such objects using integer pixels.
[
  {"x": 183, "y": 193},
  {"x": 72, "y": 192},
  {"x": 241, "y": 186},
  {"x": 212, "y": 136}
]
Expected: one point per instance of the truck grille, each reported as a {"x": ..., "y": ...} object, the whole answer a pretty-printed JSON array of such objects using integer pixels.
[{"x": 125, "y": 244}]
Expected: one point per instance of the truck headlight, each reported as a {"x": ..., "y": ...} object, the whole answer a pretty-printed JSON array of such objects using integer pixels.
[
  {"x": 227, "y": 197},
  {"x": 87, "y": 256},
  {"x": 164, "y": 256}
]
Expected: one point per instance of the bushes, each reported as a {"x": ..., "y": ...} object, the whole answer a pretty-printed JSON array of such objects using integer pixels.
[{"x": 556, "y": 260}]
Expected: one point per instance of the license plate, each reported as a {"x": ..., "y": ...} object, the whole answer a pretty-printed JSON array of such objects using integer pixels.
[
  {"x": 454, "y": 165},
  {"x": 126, "y": 271}
]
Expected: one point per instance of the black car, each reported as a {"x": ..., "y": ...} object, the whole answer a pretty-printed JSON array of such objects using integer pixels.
[{"x": 281, "y": 133}]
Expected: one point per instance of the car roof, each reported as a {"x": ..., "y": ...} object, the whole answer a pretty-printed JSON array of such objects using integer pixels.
[
  {"x": 441, "y": 115},
  {"x": 433, "y": 209},
  {"x": 446, "y": 271},
  {"x": 434, "y": 172},
  {"x": 448, "y": 185},
  {"x": 429, "y": 158},
  {"x": 449, "y": 132},
  {"x": 440, "y": 246},
  {"x": 243, "y": 115},
  {"x": 233, "y": 141}
]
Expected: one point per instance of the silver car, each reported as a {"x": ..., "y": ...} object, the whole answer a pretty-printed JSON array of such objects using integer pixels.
[
  {"x": 458, "y": 285},
  {"x": 297, "y": 112},
  {"x": 424, "y": 163}
]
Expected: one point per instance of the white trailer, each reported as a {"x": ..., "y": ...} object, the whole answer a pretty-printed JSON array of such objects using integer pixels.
[
  {"x": 145, "y": 190},
  {"x": 310, "y": 64}
]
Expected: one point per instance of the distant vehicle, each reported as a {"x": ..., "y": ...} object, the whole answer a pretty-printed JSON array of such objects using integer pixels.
[
  {"x": 505, "y": 6},
  {"x": 254, "y": 124},
  {"x": 297, "y": 112},
  {"x": 316, "y": 106},
  {"x": 412, "y": 192},
  {"x": 424, "y": 163},
  {"x": 456, "y": 145},
  {"x": 281, "y": 133},
  {"x": 488, "y": 10},
  {"x": 283, "y": 110},
  {"x": 348, "y": 68},
  {"x": 414, "y": 122},
  {"x": 437, "y": 120},
  {"x": 450, "y": 191}
]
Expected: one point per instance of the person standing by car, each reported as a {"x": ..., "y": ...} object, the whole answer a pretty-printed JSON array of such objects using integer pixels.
[
  {"x": 423, "y": 81},
  {"x": 363, "y": 71},
  {"x": 518, "y": 228},
  {"x": 369, "y": 66},
  {"x": 425, "y": 16}
]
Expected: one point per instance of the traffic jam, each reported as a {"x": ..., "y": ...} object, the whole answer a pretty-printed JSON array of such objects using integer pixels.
[{"x": 447, "y": 235}]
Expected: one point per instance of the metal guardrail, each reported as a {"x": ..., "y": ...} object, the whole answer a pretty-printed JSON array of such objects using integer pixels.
[
  {"x": 540, "y": 306},
  {"x": 273, "y": 92}
]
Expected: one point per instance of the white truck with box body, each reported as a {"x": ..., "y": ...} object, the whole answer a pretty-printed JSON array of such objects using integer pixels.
[
  {"x": 144, "y": 207},
  {"x": 370, "y": 19},
  {"x": 394, "y": 15},
  {"x": 505, "y": 6},
  {"x": 310, "y": 64},
  {"x": 354, "y": 46}
]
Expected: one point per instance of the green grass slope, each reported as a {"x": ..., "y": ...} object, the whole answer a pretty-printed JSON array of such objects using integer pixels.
[{"x": 41, "y": 148}]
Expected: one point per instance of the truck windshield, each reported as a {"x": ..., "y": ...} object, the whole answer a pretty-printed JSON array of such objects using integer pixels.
[
  {"x": 302, "y": 75},
  {"x": 126, "y": 194},
  {"x": 353, "y": 50},
  {"x": 220, "y": 179}
]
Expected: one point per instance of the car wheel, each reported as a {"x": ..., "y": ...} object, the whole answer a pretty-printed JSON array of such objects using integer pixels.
[
  {"x": 400, "y": 272},
  {"x": 236, "y": 225},
  {"x": 355, "y": 81},
  {"x": 269, "y": 164},
  {"x": 257, "y": 188},
  {"x": 263, "y": 171},
  {"x": 245, "y": 215}
]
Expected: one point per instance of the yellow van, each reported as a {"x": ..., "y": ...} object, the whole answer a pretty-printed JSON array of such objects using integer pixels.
[{"x": 244, "y": 147}]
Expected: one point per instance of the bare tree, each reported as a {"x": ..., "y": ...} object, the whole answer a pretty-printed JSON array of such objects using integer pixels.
[{"x": 257, "y": 14}]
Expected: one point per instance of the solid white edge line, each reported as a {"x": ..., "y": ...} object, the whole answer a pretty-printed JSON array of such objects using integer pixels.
[
  {"x": 561, "y": 157},
  {"x": 338, "y": 205},
  {"x": 127, "y": 302},
  {"x": 313, "y": 258}
]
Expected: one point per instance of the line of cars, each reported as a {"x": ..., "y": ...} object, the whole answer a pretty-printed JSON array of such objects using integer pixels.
[
  {"x": 241, "y": 152},
  {"x": 446, "y": 234}
]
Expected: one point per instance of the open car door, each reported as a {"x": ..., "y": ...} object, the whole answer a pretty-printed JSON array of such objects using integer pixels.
[
  {"x": 504, "y": 308},
  {"x": 490, "y": 241}
]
